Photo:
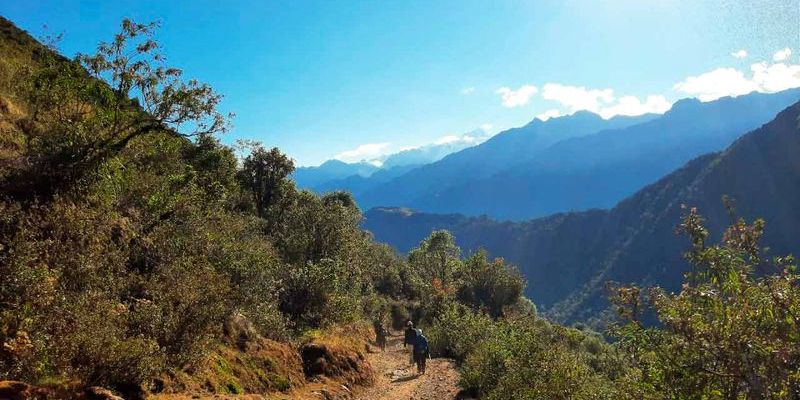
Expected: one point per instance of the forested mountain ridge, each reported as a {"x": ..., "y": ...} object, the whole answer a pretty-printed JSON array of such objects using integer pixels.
[{"x": 567, "y": 258}]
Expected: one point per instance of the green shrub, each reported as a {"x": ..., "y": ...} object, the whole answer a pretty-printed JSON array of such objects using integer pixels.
[
  {"x": 485, "y": 365},
  {"x": 458, "y": 331},
  {"x": 315, "y": 295},
  {"x": 489, "y": 286}
]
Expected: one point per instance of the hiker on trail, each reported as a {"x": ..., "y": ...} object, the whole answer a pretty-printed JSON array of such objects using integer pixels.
[
  {"x": 410, "y": 339},
  {"x": 421, "y": 352},
  {"x": 381, "y": 333}
]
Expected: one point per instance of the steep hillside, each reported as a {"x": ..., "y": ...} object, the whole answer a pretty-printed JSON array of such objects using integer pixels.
[
  {"x": 567, "y": 258},
  {"x": 502, "y": 151},
  {"x": 601, "y": 169},
  {"x": 135, "y": 253}
]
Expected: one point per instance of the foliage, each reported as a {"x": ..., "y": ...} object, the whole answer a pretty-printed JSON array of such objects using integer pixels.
[
  {"x": 265, "y": 174},
  {"x": 457, "y": 331},
  {"x": 490, "y": 286},
  {"x": 437, "y": 259},
  {"x": 730, "y": 332},
  {"x": 83, "y": 113},
  {"x": 318, "y": 294},
  {"x": 527, "y": 357}
]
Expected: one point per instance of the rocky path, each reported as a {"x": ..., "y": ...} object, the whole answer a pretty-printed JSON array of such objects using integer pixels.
[{"x": 396, "y": 378}]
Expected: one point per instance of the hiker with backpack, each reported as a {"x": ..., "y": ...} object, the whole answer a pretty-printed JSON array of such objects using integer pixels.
[{"x": 421, "y": 351}]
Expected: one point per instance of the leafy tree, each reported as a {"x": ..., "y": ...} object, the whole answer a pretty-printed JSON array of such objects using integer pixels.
[
  {"x": 731, "y": 332},
  {"x": 82, "y": 114},
  {"x": 214, "y": 167},
  {"x": 265, "y": 173},
  {"x": 489, "y": 286},
  {"x": 437, "y": 258},
  {"x": 318, "y": 294}
]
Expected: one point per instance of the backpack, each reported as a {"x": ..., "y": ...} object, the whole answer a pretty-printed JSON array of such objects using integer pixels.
[{"x": 422, "y": 344}]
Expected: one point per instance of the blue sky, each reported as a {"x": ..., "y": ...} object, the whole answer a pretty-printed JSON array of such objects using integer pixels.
[{"x": 321, "y": 78}]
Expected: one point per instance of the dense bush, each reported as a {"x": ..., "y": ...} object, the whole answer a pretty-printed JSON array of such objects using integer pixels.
[
  {"x": 489, "y": 286},
  {"x": 730, "y": 332},
  {"x": 527, "y": 358}
]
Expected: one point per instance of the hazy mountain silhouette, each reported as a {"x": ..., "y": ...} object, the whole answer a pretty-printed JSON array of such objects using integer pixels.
[
  {"x": 357, "y": 184},
  {"x": 309, "y": 177},
  {"x": 502, "y": 151},
  {"x": 435, "y": 151},
  {"x": 367, "y": 174}
]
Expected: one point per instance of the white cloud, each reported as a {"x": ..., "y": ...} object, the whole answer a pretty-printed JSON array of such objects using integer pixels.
[
  {"x": 782, "y": 55},
  {"x": 514, "y": 98},
  {"x": 776, "y": 77},
  {"x": 486, "y": 127},
  {"x": 721, "y": 82},
  {"x": 740, "y": 54},
  {"x": 718, "y": 83},
  {"x": 470, "y": 138},
  {"x": 631, "y": 105},
  {"x": 447, "y": 139},
  {"x": 468, "y": 90},
  {"x": 599, "y": 101},
  {"x": 376, "y": 162},
  {"x": 576, "y": 98},
  {"x": 552, "y": 113},
  {"x": 363, "y": 152}
]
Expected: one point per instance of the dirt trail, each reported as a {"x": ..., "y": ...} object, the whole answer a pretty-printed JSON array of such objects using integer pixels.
[{"x": 397, "y": 379}]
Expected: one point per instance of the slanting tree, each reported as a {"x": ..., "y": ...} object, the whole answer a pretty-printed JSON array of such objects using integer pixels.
[{"x": 83, "y": 113}]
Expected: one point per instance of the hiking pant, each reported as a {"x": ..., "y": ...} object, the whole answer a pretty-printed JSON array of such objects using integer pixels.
[{"x": 421, "y": 359}]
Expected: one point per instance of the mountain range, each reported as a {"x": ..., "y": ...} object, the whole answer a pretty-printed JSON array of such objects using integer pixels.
[
  {"x": 568, "y": 257},
  {"x": 357, "y": 177},
  {"x": 571, "y": 163},
  {"x": 331, "y": 170},
  {"x": 575, "y": 163}
]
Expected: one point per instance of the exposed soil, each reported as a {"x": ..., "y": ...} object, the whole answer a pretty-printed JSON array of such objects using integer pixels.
[{"x": 396, "y": 378}]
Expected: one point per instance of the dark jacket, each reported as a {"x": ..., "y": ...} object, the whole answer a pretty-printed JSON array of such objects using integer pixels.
[{"x": 411, "y": 336}]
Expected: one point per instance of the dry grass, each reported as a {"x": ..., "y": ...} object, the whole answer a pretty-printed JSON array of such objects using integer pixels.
[
  {"x": 339, "y": 353},
  {"x": 265, "y": 367}
]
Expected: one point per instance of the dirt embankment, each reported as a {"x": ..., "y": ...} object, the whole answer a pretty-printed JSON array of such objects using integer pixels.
[{"x": 339, "y": 364}]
